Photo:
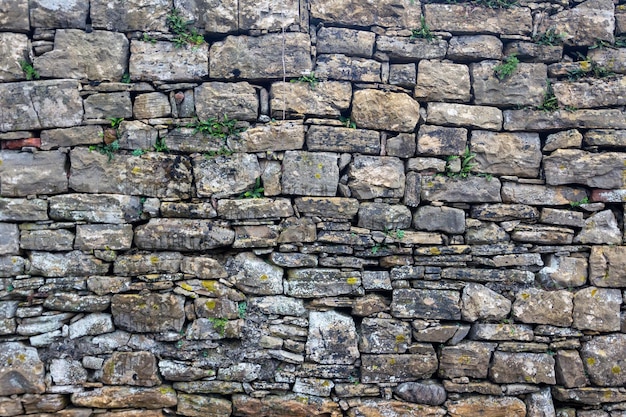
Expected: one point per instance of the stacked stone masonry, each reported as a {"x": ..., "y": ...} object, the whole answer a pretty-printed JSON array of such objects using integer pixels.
[{"x": 312, "y": 208}]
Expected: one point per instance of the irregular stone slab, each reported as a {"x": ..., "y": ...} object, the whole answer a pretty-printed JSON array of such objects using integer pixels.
[
  {"x": 308, "y": 173},
  {"x": 444, "y": 219},
  {"x": 402, "y": 49},
  {"x": 375, "y": 109},
  {"x": 335, "y": 207},
  {"x": 381, "y": 408},
  {"x": 428, "y": 392},
  {"x": 478, "y": 232},
  {"x": 565, "y": 139},
  {"x": 474, "y": 48},
  {"x": 386, "y": 13},
  {"x": 342, "y": 67},
  {"x": 10, "y": 239},
  {"x": 209, "y": 387},
  {"x": 605, "y": 137},
  {"x": 399, "y": 368},
  {"x": 440, "y": 81},
  {"x": 23, "y": 210},
  {"x": 278, "y": 136},
  {"x": 95, "y": 208},
  {"x": 437, "y": 140},
  {"x": 322, "y": 282},
  {"x": 97, "y": 55},
  {"x": 589, "y": 396},
  {"x": 183, "y": 64},
  {"x": 75, "y": 302},
  {"x": 607, "y": 266},
  {"x": 593, "y": 93},
  {"x": 22, "y": 371},
  {"x": 382, "y": 216},
  {"x": 108, "y": 105},
  {"x": 372, "y": 176},
  {"x": 544, "y": 307},
  {"x": 91, "y": 325},
  {"x": 151, "y": 105},
  {"x": 288, "y": 405},
  {"x": 450, "y": 114},
  {"x": 140, "y": 15},
  {"x": 564, "y": 272},
  {"x": 11, "y": 266},
  {"x": 539, "y": 120},
  {"x": 73, "y": 136},
  {"x": 467, "y": 359},
  {"x": 536, "y": 195},
  {"x": 426, "y": 304},
  {"x": 612, "y": 59},
  {"x": 313, "y": 386},
  {"x": 202, "y": 210},
  {"x": 566, "y": 166},
  {"x": 234, "y": 100},
  {"x": 516, "y": 154},
  {"x": 469, "y": 190},
  {"x": 42, "y": 324},
  {"x": 73, "y": 263},
  {"x": 482, "y": 303},
  {"x": 504, "y": 212},
  {"x": 124, "y": 397},
  {"x": 225, "y": 175},
  {"x": 52, "y": 14},
  {"x": 12, "y": 407},
  {"x": 384, "y": 336},
  {"x": 100, "y": 236},
  {"x": 324, "y": 99},
  {"x": 331, "y": 40},
  {"x": 255, "y": 208},
  {"x": 149, "y": 174},
  {"x": 486, "y": 406},
  {"x": 605, "y": 359},
  {"x": 502, "y": 332},
  {"x": 524, "y": 87},
  {"x": 43, "y": 104},
  {"x": 14, "y": 16},
  {"x": 14, "y": 48},
  {"x": 261, "y": 57},
  {"x": 597, "y": 309},
  {"x": 599, "y": 228},
  {"x": 332, "y": 338},
  {"x": 544, "y": 235},
  {"x": 210, "y": 16},
  {"x": 257, "y": 277},
  {"x": 584, "y": 24},
  {"x": 343, "y": 139},
  {"x": 182, "y": 235},
  {"x": 148, "y": 313},
  {"x": 138, "y": 135},
  {"x": 470, "y": 19},
  {"x": 532, "y": 52},
  {"x": 562, "y": 217},
  {"x": 131, "y": 368},
  {"x": 570, "y": 371},
  {"x": 534, "y": 368},
  {"x": 199, "y": 405},
  {"x": 269, "y": 16}
]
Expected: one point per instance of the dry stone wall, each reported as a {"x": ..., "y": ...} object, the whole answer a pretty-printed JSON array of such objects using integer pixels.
[{"x": 312, "y": 208}]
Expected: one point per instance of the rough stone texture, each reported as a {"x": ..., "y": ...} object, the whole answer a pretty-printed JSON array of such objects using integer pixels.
[
  {"x": 148, "y": 313},
  {"x": 463, "y": 19},
  {"x": 569, "y": 368},
  {"x": 389, "y": 111},
  {"x": 225, "y": 175},
  {"x": 331, "y": 40},
  {"x": 480, "y": 117},
  {"x": 327, "y": 98},
  {"x": 14, "y": 16},
  {"x": 399, "y": 368},
  {"x": 182, "y": 234},
  {"x": 471, "y": 190},
  {"x": 107, "y": 106},
  {"x": 438, "y": 81},
  {"x": 99, "y": 55},
  {"x": 14, "y": 48},
  {"x": 544, "y": 307},
  {"x": 466, "y": 359},
  {"x": 481, "y": 303},
  {"x": 381, "y": 216},
  {"x": 474, "y": 48},
  {"x": 534, "y": 194},
  {"x": 386, "y": 13},
  {"x": 476, "y": 406},
  {"x": 96, "y": 208},
  {"x": 606, "y": 267},
  {"x": 564, "y": 272},
  {"x": 566, "y": 139},
  {"x": 341, "y": 67},
  {"x": 437, "y": 140},
  {"x": 426, "y": 304},
  {"x": 308, "y": 173},
  {"x": 595, "y": 93},
  {"x": 297, "y": 405},
  {"x": 444, "y": 219},
  {"x": 332, "y": 338},
  {"x": 142, "y": 15},
  {"x": 256, "y": 277},
  {"x": 567, "y": 166},
  {"x": 371, "y": 177},
  {"x": 311, "y": 283},
  {"x": 342, "y": 139},
  {"x": 234, "y": 100},
  {"x": 22, "y": 371},
  {"x": 597, "y": 309},
  {"x": 162, "y": 60},
  {"x": 402, "y": 49},
  {"x": 539, "y": 120},
  {"x": 600, "y": 228},
  {"x": 590, "y": 21},
  {"x": 604, "y": 359},
  {"x": 525, "y": 86},
  {"x": 122, "y": 397},
  {"x": 536, "y": 368},
  {"x": 131, "y": 368},
  {"x": 251, "y": 57},
  {"x": 73, "y": 263},
  {"x": 516, "y": 154}
]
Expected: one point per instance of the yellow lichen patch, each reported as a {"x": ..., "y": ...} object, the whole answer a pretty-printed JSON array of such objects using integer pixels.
[
  {"x": 594, "y": 292},
  {"x": 154, "y": 259},
  {"x": 392, "y": 361},
  {"x": 352, "y": 280},
  {"x": 464, "y": 359},
  {"x": 318, "y": 175},
  {"x": 591, "y": 361},
  {"x": 186, "y": 286},
  {"x": 210, "y": 305},
  {"x": 135, "y": 170},
  {"x": 525, "y": 296},
  {"x": 167, "y": 390},
  {"x": 435, "y": 251},
  {"x": 325, "y": 383},
  {"x": 303, "y": 400},
  {"x": 264, "y": 277},
  {"x": 616, "y": 369},
  {"x": 585, "y": 65},
  {"x": 400, "y": 338},
  {"x": 21, "y": 357},
  {"x": 209, "y": 284}
]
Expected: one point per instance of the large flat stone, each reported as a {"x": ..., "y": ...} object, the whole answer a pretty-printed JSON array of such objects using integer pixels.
[
  {"x": 467, "y": 359},
  {"x": 23, "y": 173},
  {"x": 539, "y": 120},
  {"x": 426, "y": 304},
  {"x": 381, "y": 408},
  {"x": 210, "y": 16},
  {"x": 324, "y": 99},
  {"x": 376, "y": 176},
  {"x": 525, "y": 86},
  {"x": 486, "y": 406},
  {"x": 376, "y": 109},
  {"x": 285, "y": 405},
  {"x": 463, "y": 115},
  {"x": 14, "y": 16},
  {"x": 322, "y": 282},
  {"x": 53, "y": 14},
  {"x": 440, "y": 81},
  {"x": 310, "y": 173},
  {"x": 593, "y": 93},
  {"x": 148, "y": 312},
  {"x": 607, "y": 266},
  {"x": 605, "y": 357},
  {"x": 584, "y": 24},
  {"x": 469, "y": 190},
  {"x": 343, "y": 139},
  {"x": 332, "y": 40},
  {"x": 571, "y": 166},
  {"x": 164, "y": 61},
  {"x": 124, "y": 397},
  {"x": 182, "y": 235},
  {"x": 403, "y": 49},
  {"x": 234, "y": 100},
  {"x": 136, "y": 15},
  {"x": 332, "y": 338},
  {"x": 225, "y": 175},
  {"x": 14, "y": 48},
  {"x": 278, "y": 136},
  {"x": 399, "y": 367},
  {"x": 75, "y": 264},
  {"x": 533, "y": 368},
  {"x": 95, "y": 208},
  {"x": 386, "y": 13},
  {"x": 461, "y": 19},
  {"x": 21, "y": 370},
  {"x": 346, "y": 68},
  {"x": 537, "y": 195}
]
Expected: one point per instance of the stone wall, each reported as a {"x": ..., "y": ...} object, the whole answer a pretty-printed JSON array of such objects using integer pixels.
[{"x": 314, "y": 208}]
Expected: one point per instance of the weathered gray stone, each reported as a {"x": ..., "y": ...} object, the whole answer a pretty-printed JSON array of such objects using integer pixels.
[
  {"x": 375, "y": 109},
  {"x": 278, "y": 136},
  {"x": 386, "y": 13},
  {"x": 384, "y": 336},
  {"x": 182, "y": 235},
  {"x": 255, "y": 208},
  {"x": 419, "y": 364},
  {"x": 307, "y": 173},
  {"x": 470, "y": 190},
  {"x": 14, "y": 48},
  {"x": 11, "y": 266},
  {"x": 565, "y": 139},
  {"x": 22, "y": 371},
  {"x": 427, "y": 392},
  {"x": 563, "y": 272},
  {"x": 376, "y": 280},
  {"x": 11, "y": 407},
  {"x": 506, "y": 153},
  {"x": 569, "y": 369},
  {"x": 606, "y": 266},
  {"x": 124, "y": 397},
  {"x": 10, "y": 244},
  {"x": 73, "y": 263},
  {"x": 323, "y": 99},
  {"x": 600, "y": 228},
  {"x": 404, "y": 75},
  {"x": 502, "y": 332},
  {"x": 534, "y": 368},
  {"x": 611, "y": 59},
  {"x": 313, "y": 386},
  {"x": 96, "y": 208},
  {"x": 591, "y": 93},
  {"x": 444, "y": 219},
  {"x": 150, "y": 174},
  {"x": 287, "y": 404},
  {"x": 467, "y": 359},
  {"x": 199, "y": 405},
  {"x": 382, "y": 216},
  {"x": 151, "y": 105},
  {"x": 402, "y": 49},
  {"x": 269, "y": 16},
  {"x": 346, "y": 68},
  {"x": 470, "y": 19},
  {"x": 477, "y": 232},
  {"x": 296, "y": 229},
  {"x": 562, "y": 217},
  {"x": 342, "y": 139},
  {"x": 597, "y": 309},
  {"x": 332, "y": 338},
  {"x": 336, "y": 207},
  {"x": 584, "y": 24},
  {"x": 605, "y": 359},
  {"x": 164, "y": 61},
  {"x": 538, "y": 120},
  {"x": 79, "y": 135},
  {"x": 437, "y": 140},
  {"x": 474, "y": 48},
  {"x": 524, "y": 87},
  {"x": 98, "y": 55},
  {"x": 30, "y": 326},
  {"x": 108, "y": 106},
  {"x": 91, "y": 325},
  {"x": 605, "y": 137},
  {"x": 137, "y": 135},
  {"x": 261, "y": 57},
  {"x": 535, "y": 194},
  {"x": 202, "y": 266},
  {"x": 504, "y": 212},
  {"x": 378, "y": 407},
  {"x": 426, "y": 304},
  {"x": 67, "y": 372},
  {"x": 486, "y": 406},
  {"x": 371, "y": 177},
  {"x": 440, "y": 81},
  {"x": 101, "y": 236},
  {"x": 40, "y": 105},
  {"x": 589, "y": 396},
  {"x": 131, "y": 368},
  {"x": 257, "y": 277},
  {"x": 322, "y": 282},
  {"x": 545, "y": 235},
  {"x": 481, "y": 303},
  {"x": 148, "y": 313},
  {"x": 544, "y": 307},
  {"x": 533, "y": 52},
  {"x": 75, "y": 302},
  {"x": 331, "y": 40},
  {"x": 450, "y": 114},
  {"x": 402, "y": 145},
  {"x": 234, "y": 100},
  {"x": 21, "y": 209},
  {"x": 14, "y": 16},
  {"x": 211, "y": 16},
  {"x": 52, "y": 14},
  {"x": 225, "y": 175},
  {"x": 566, "y": 166},
  {"x": 140, "y": 15}
]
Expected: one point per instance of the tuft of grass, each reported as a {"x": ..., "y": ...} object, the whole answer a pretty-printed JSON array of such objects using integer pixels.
[
  {"x": 185, "y": 33},
  {"x": 160, "y": 145},
  {"x": 125, "y": 78},
  {"x": 579, "y": 203},
  {"x": 242, "y": 308},
  {"x": 256, "y": 192},
  {"x": 423, "y": 32},
  {"x": 507, "y": 67},
  {"x": 219, "y": 324},
  {"x": 29, "y": 71},
  {"x": 549, "y": 38},
  {"x": 223, "y": 151},
  {"x": 115, "y": 122},
  {"x": 138, "y": 152},
  {"x": 588, "y": 68},
  {"x": 466, "y": 165},
  {"x": 550, "y": 102},
  {"x": 347, "y": 122},
  {"x": 212, "y": 126},
  {"x": 108, "y": 150},
  {"x": 310, "y": 79}
]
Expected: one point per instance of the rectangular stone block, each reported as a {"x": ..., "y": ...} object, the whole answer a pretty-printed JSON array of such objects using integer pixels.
[
  {"x": 537, "y": 195},
  {"x": 11, "y": 266},
  {"x": 533, "y": 368},
  {"x": 311, "y": 283},
  {"x": 404, "y": 49},
  {"x": 255, "y": 208},
  {"x": 234, "y": 100},
  {"x": 52, "y": 240},
  {"x": 73, "y": 263},
  {"x": 182, "y": 235},
  {"x": 103, "y": 236},
  {"x": 331, "y": 40},
  {"x": 282, "y": 135},
  {"x": 399, "y": 367},
  {"x": 607, "y": 266},
  {"x": 426, "y": 304},
  {"x": 543, "y": 235},
  {"x": 470, "y": 19},
  {"x": 472, "y": 189},
  {"x": 10, "y": 243},
  {"x": 573, "y": 166},
  {"x": 449, "y": 114},
  {"x": 95, "y": 208},
  {"x": 345, "y": 68},
  {"x": 71, "y": 136},
  {"x": 23, "y": 210},
  {"x": 467, "y": 359},
  {"x": 343, "y": 139},
  {"x": 539, "y": 120},
  {"x": 269, "y": 16},
  {"x": 328, "y": 207},
  {"x": 324, "y": 99},
  {"x": 307, "y": 173},
  {"x": 147, "y": 61},
  {"x": 23, "y": 173},
  {"x": 386, "y": 13}
]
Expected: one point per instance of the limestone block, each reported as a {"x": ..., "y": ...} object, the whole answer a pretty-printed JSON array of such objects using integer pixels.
[
  {"x": 182, "y": 235},
  {"x": 533, "y": 368},
  {"x": 164, "y": 61},
  {"x": 279, "y": 136},
  {"x": 524, "y": 87},
  {"x": 427, "y": 392},
  {"x": 593, "y": 93},
  {"x": 313, "y": 386},
  {"x": 336, "y": 207},
  {"x": 426, "y": 304},
  {"x": 40, "y": 105},
  {"x": 486, "y": 406},
  {"x": 384, "y": 336},
  {"x": 22, "y": 209},
  {"x": 373, "y": 176},
  {"x": 565, "y": 139},
  {"x": 30, "y": 326},
  {"x": 108, "y": 105},
  {"x": 95, "y": 208},
  {"x": 399, "y": 367},
  {"x": 450, "y": 114},
  {"x": 203, "y": 267},
  {"x": 504, "y": 212},
  {"x": 268, "y": 15},
  {"x": 200, "y": 405},
  {"x": 443, "y": 219},
  {"x": 468, "y": 19},
  {"x": 467, "y": 359},
  {"x": 375, "y": 109},
  {"x": 311, "y": 174},
  {"x": 72, "y": 136},
  {"x": 605, "y": 359},
  {"x": 403, "y": 49},
  {"x": 151, "y": 105},
  {"x": 440, "y": 81},
  {"x": 484, "y": 232},
  {"x": 75, "y": 302},
  {"x": 225, "y": 175},
  {"x": 254, "y": 208},
  {"x": 546, "y": 235},
  {"x": 124, "y": 397},
  {"x": 212, "y": 16},
  {"x": 332, "y": 338},
  {"x": 343, "y": 139},
  {"x": 502, "y": 332},
  {"x": 607, "y": 266},
  {"x": 611, "y": 59},
  {"x": 597, "y": 309},
  {"x": 584, "y": 24},
  {"x": 404, "y": 75},
  {"x": 470, "y": 190},
  {"x": 67, "y": 372},
  {"x": 386, "y": 13},
  {"x": 600, "y": 228},
  {"x": 350, "y": 42},
  {"x": 91, "y": 325},
  {"x": 438, "y": 140},
  {"x": 544, "y": 307},
  {"x": 53, "y": 14},
  {"x": 324, "y": 99},
  {"x": 566, "y": 166},
  {"x": 131, "y": 368},
  {"x": 137, "y": 135},
  {"x": 345, "y": 68},
  {"x": 379, "y": 408},
  {"x": 564, "y": 272},
  {"x": 254, "y": 276},
  {"x": 562, "y": 217},
  {"x": 237, "y": 101},
  {"x": 474, "y": 48},
  {"x": 103, "y": 236},
  {"x": 589, "y": 396},
  {"x": 148, "y": 313},
  {"x": 73, "y": 263},
  {"x": 516, "y": 154},
  {"x": 10, "y": 239},
  {"x": 482, "y": 303},
  {"x": 605, "y": 137},
  {"x": 532, "y": 52},
  {"x": 322, "y": 282},
  {"x": 14, "y": 16},
  {"x": 52, "y": 240},
  {"x": 260, "y": 57},
  {"x": 11, "y": 407},
  {"x": 538, "y": 120},
  {"x": 569, "y": 369},
  {"x": 382, "y": 216},
  {"x": 133, "y": 15},
  {"x": 287, "y": 404},
  {"x": 14, "y": 48},
  {"x": 535, "y": 194}
]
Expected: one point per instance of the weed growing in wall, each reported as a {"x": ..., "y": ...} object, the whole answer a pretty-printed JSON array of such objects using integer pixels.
[
  {"x": 185, "y": 33},
  {"x": 256, "y": 192},
  {"x": 310, "y": 79},
  {"x": 108, "y": 150},
  {"x": 550, "y": 103},
  {"x": 423, "y": 32},
  {"x": 549, "y": 38},
  {"x": 588, "y": 68},
  {"x": 467, "y": 165},
  {"x": 217, "y": 128},
  {"x": 507, "y": 67},
  {"x": 29, "y": 71}
]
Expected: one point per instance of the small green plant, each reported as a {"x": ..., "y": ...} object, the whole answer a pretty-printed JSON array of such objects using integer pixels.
[
  {"x": 212, "y": 126},
  {"x": 347, "y": 122},
  {"x": 242, "y": 307},
  {"x": 571, "y": 108},
  {"x": 115, "y": 122},
  {"x": 397, "y": 234},
  {"x": 138, "y": 152},
  {"x": 588, "y": 68},
  {"x": 125, "y": 78},
  {"x": 148, "y": 38},
  {"x": 160, "y": 145},
  {"x": 377, "y": 247},
  {"x": 30, "y": 72},
  {"x": 223, "y": 151},
  {"x": 549, "y": 38},
  {"x": 507, "y": 67},
  {"x": 108, "y": 150},
  {"x": 466, "y": 165},
  {"x": 311, "y": 79},
  {"x": 219, "y": 324},
  {"x": 579, "y": 202},
  {"x": 179, "y": 344},
  {"x": 599, "y": 44},
  {"x": 423, "y": 32},
  {"x": 550, "y": 102},
  {"x": 181, "y": 28},
  {"x": 256, "y": 192},
  {"x": 620, "y": 42}
]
